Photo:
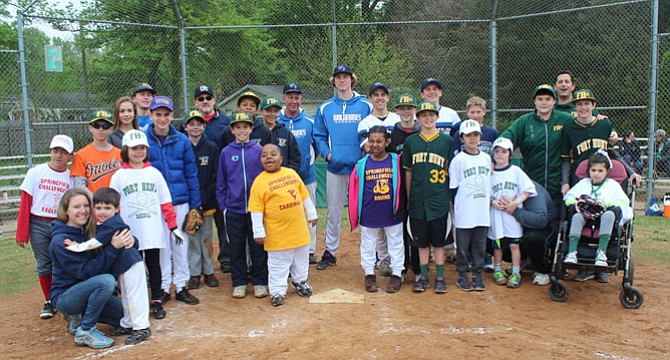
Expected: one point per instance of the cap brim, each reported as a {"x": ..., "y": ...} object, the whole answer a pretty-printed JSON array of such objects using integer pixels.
[{"x": 100, "y": 118}]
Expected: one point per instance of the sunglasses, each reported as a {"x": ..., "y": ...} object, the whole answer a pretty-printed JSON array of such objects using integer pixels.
[
  {"x": 203, "y": 98},
  {"x": 103, "y": 126}
]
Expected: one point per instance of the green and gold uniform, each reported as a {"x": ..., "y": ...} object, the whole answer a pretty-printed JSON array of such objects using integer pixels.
[
  {"x": 428, "y": 159},
  {"x": 540, "y": 144},
  {"x": 582, "y": 140}
]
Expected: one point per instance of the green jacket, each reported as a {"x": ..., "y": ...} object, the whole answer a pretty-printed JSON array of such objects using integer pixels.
[{"x": 540, "y": 144}]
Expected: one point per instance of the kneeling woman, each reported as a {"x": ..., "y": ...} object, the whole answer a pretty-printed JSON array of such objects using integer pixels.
[{"x": 82, "y": 285}]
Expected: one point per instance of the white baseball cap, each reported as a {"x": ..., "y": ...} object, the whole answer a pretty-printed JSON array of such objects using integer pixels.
[
  {"x": 135, "y": 138},
  {"x": 504, "y": 143},
  {"x": 62, "y": 141},
  {"x": 469, "y": 126}
]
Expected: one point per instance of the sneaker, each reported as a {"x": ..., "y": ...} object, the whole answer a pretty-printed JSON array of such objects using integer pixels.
[
  {"x": 500, "y": 277},
  {"x": 395, "y": 282},
  {"x": 420, "y": 283},
  {"x": 156, "y": 309},
  {"x": 541, "y": 279},
  {"x": 488, "y": 263},
  {"x": 385, "y": 267},
  {"x": 73, "y": 322},
  {"x": 121, "y": 331},
  {"x": 92, "y": 338},
  {"x": 303, "y": 288},
  {"x": 165, "y": 297},
  {"x": 584, "y": 276},
  {"x": 602, "y": 277},
  {"x": 194, "y": 283},
  {"x": 312, "y": 259},
  {"x": 463, "y": 283},
  {"x": 48, "y": 311},
  {"x": 478, "y": 283},
  {"x": 225, "y": 268},
  {"x": 489, "y": 268},
  {"x": 514, "y": 281},
  {"x": 601, "y": 258},
  {"x": 278, "y": 300},
  {"x": 371, "y": 283},
  {"x": 211, "y": 281},
  {"x": 240, "y": 292},
  {"x": 260, "y": 291},
  {"x": 327, "y": 260},
  {"x": 440, "y": 286},
  {"x": 571, "y": 258},
  {"x": 186, "y": 297},
  {"x": 137, "y": 336}
]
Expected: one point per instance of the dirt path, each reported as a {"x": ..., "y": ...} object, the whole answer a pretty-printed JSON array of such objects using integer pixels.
[{"x": 499, "y": 323}]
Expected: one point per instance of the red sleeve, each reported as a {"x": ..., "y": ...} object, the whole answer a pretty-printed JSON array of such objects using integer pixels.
[
  {"x": 169, "y": 215},
  {"x": 23, "y": 221}
]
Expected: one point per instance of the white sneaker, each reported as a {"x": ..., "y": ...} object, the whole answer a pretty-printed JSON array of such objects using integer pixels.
[
  {"x": 240, "y": 292},
  {"x": 541, "y": 279},
  {"x": 601, "y": 258},
  {"x": 260, "y": 291},
  {"x": 571, "y": 258}
]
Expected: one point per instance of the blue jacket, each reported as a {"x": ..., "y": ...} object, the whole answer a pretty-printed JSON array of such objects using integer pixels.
[
  {"x": 127, "y": 257},
  {"x": 176, "y": 161},
  {"x": 213, "y": 128},
  {"x": 70, "y": 268},
  {"x": 239, "y": 164},
  {"x": 302, "y": 128},
  {"x": 336, "y": 131}
]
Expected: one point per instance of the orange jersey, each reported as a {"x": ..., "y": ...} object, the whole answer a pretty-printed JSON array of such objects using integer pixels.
[{"x": 96, "y": 166}]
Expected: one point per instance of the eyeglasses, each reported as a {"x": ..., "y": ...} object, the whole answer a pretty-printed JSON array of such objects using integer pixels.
[
  {"x": 203, "y": 98},
  {"x": 104, "y": 126}
]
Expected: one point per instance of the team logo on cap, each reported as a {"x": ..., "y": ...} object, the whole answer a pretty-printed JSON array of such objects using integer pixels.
[
  {"x": 194, "y": 113},
  {"x": 583, "y": 95},
  {"x": 161, "y": 101},
  {"x": 405, "y": 99},
  {"x": 341, "y": 68},
  {"x": 204, "y": 88},
  {"x": 545, "y": 86},
  {"x": 428, "y": 106},
  {"x": 135, "y": 135},
  {"x": 241, "y": 116},
  {"x": 102, "y": 113},
  {"x": 292, "y": 86},
  {"x": 272, "y": 101}
]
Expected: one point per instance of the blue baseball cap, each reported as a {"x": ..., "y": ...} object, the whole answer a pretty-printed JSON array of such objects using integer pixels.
[
  {"x": 342, "y": 69},
  {"x": 203, "y": 89},
  {"x": 161, "y": 101}
]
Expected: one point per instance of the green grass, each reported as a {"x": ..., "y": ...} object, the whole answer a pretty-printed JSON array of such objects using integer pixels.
[
  {"x": 652, "y": 238},
  {"x": 17, "y": 268}
]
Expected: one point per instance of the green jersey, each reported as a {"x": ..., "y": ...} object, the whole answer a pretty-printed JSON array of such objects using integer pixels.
[
  {"x": 540, "y": 144},
  {"x": 428, "y": 159},
  {"x": 582, "y": 140}
]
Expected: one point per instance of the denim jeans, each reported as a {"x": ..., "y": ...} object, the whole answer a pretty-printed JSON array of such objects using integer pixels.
[{"x": 93, "y": 299}]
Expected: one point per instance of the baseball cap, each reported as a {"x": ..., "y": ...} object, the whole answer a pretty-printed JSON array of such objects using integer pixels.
[
  {"x": 134, "y": 138},
  {"x": 292, "y": 88},
  {"x": 270, "y": 101},
  {"x": 62, "y": 141},
  {"x": 238, "y": 117},
  {"x": 100, "y": 115},
  {"x": 161, "y": 101},
  {"x": 342, "y": 69},
  {"x": 469, "y": 126},
  {"x": 249, "y": 94},
  {"x": 504, "y": 143},
  {"x": 660, "y": 132},
  {"x": 431, "y": 81},
  {"x": 194, "y": 114},
  {"x": 144, "y": 87},
  {"x": 378, "y": 85},
  {"x": 544, "y": 89},
  {"x": 405, "y": 99},
  {"x": 203, "y": 89},
  {"x": 427, "y": 106},
  {"x": 583, "y": 94}
]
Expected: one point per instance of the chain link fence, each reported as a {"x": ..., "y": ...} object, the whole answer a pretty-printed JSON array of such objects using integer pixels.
[{"x": 499, "y": 50}]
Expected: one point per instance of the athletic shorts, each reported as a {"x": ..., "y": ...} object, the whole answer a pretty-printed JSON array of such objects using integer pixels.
[
  {"x": 428, "y": 233},
  {"x": 504, "y": 243}
]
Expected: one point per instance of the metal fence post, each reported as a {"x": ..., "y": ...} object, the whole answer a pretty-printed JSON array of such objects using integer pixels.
[
  {"x": 494, "y": 64},
  {"x": 652, "y": 98},
  {"x": 24, "y": 86}
]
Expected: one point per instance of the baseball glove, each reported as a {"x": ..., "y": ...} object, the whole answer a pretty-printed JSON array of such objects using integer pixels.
[
  {"x": 192, "y": 222},
  {"x": 589, "y": 207}
]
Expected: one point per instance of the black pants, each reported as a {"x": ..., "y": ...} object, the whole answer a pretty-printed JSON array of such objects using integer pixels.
[
  {"x": 240, "y": 234},
  {"x": 224, "y": 251},
  {"x": 153, "y": 261}
]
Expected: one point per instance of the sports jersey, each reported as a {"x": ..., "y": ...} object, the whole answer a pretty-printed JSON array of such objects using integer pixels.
[
  {"x": 448, "y": 117},
  {"x": 369, "y": 121},
  {"x": 46, "y": 186},
  {"x": 279, "y": 196},
  {"x": 471, "y": 175},
  {"x": 428, "y": 159},
  {"x": 579, "y": 141},
  {"x": 96, "y": 166},
  {"x": 374, "y": 192},
  {"x": 511, "y": 182}
]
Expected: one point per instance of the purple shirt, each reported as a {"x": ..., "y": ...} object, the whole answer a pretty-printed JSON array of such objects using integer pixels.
[{"x": 377, "y": 201}]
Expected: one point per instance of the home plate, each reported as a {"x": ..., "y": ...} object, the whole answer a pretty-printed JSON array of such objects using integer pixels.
[{"x": 337, "y": 296}]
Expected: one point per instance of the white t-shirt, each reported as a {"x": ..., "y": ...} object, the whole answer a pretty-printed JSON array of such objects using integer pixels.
[
  {"x": 471, "y": 174},
  {"x": 142, "y": 193},
  {"x": 511, "y": 182},
  {"x": 47, "y": 187}
]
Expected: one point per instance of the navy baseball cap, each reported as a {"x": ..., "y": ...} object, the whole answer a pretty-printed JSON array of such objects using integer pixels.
[
  {"x": 431, "y": 81},
  {"x": 161, "y": 101},
  {"x": 292, "y": 88},
  {"x": 378, "y": 85},
  {"x": 342, "y": 69},
  {"x": 203, "y": 89},
  {"x": 144, "y": 87}
]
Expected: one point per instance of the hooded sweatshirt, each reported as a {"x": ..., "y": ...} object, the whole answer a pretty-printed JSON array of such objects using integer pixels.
[{"x": 302, "y": 128}]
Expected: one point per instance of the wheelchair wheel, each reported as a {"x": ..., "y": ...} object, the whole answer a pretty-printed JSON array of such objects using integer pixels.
[
  {"x": 558, "y": 291},
  {"x": 631, "y": 300}
]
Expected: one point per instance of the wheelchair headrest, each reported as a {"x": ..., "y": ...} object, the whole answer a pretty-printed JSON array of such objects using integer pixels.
[{"x": 617, "y": 172}]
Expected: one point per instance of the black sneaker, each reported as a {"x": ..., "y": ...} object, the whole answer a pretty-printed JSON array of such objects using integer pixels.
[
  {"x": 602, "y": 277},
  {"x": 194, "y": 283},
  {"x": 137, "y": 336},
  {"x": 186, "y": 297},
  {"x": 211, "y": 281},
  {"x": 371, "y": 283},
  {"x": 303, "y": 288},
  {"x": 312, "y": 259},
  {"x": 48, "y": 311},
  {"x": 278, "y": 300},
  {"x": 165, "y": 297},
  {"x": 327, "y": 260},
  {"x": 156, "y": 309},
  {"x": 584, "y": 276},
  {"x": 225, "y": 268},
  {"x": 121, "y": 331}
]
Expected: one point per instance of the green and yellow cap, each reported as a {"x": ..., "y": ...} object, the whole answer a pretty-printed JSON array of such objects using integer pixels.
[
  {"x": 544, "y": 89},
  {"x": 194, "y": 114},
  {"x": 270, "y": 101},
  {"x": 100, "y": 115},
  {"x": 238, "y": 117},
  {"x": 405, "y": 99},
  {"x": 583, "y": 94},
  {"x": 427, "y": 106}
]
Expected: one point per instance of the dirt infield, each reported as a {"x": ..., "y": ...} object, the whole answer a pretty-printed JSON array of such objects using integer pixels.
[{"x": 499, "y": 323}]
